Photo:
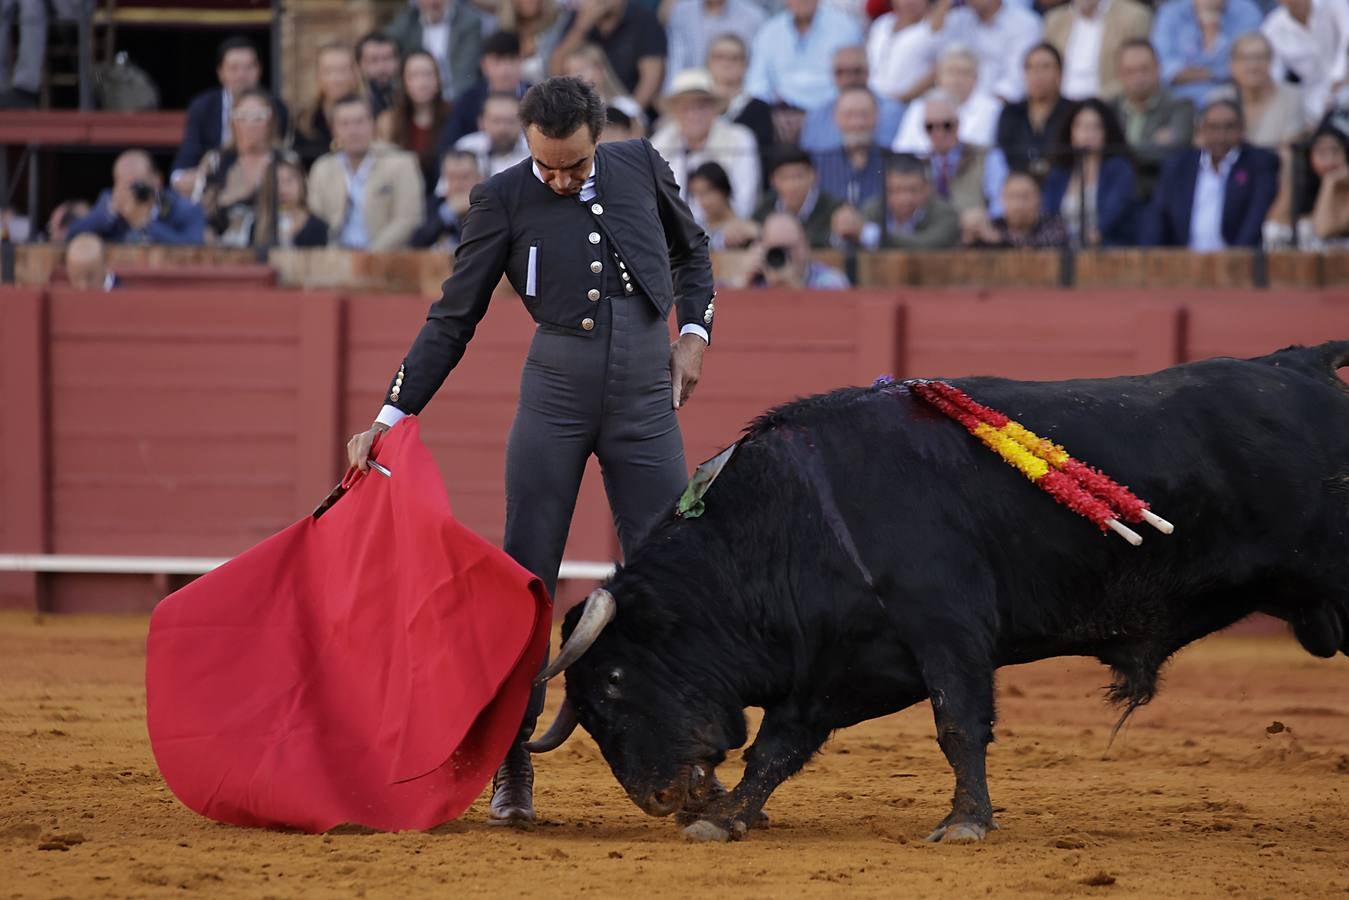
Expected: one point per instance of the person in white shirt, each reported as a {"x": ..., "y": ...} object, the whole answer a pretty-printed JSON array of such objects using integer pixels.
[
  {"x": 1089, "y": 35},
  {"x": 902, "y": 50},
  {"x": 1311, "y": 40},
  {"x": 789, "y": 60},
  {"x": 694, "y": 24},
  {"x": 957, "y": 76},
  {"x": 999, "y": 34},
  {"x": 499, "y": 142},
  {"x": 694, "y": 133}
]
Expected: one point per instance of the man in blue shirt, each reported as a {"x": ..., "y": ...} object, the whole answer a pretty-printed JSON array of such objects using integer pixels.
[
  {"x": 1194, "y": 39},
  {"x": 137, "y": 211},
  {"x": 790, "y": 60},
  {"x": 820, "y": 131}
]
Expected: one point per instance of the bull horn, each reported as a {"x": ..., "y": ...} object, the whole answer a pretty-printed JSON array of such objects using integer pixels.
[
  {"x": 558, "y": 732},
  {"x": 599, "y": 611}
]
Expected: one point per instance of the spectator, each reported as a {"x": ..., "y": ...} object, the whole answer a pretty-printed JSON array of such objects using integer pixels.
[
  {"x": 727, "y": 61},
  {"x": 908, "y": 217},
  {"x": 21, "y": 76},
  {"x": 369, "y": 193},
  {"x": 617, "y": 126},
  {"x": 999, "y": 34},
  {"x": 539, "y": 26},
  {"x": 377, "y": 60},
  {"x": 1156, "y": 124},
  {"x": 499, "y": 142},
  {"x": 449, "y": 202},
  {"x": 449, "y": 30},
  {"x": 820, "y": 130},
  {"x": 796, "y": 192},
  {"x": 1091, "y": 184},
  {"x": 710, "y": 189},
  {"x": 790, "y": 56},
  {"x": 957, "y": 76},
  {"x": 63, "y": 216},
  {"x": 781, "y": 259},
  {"x": 902, "y": 48},
  {"x": 1275, "y": 113},
  {"x": 208, "y": 115},
  {"x": 633, "y": 41},
  {"x": 589, "y": 64},
  {"x": 964, "y": 176},
  {"x": 854, "y": 170},
  {"x": 1027, "y": 126},
  {"x": 419, "y": 113},
  {"x": 1323, "y": 214},
  {"x": 233, "y": 177},
  {"x": 693, "y": 134},
  {"x": 136, "y": 211},
  {"x": 295, "y": 226},
  {"x": 1088, "y": 35},
  {"x": 501, "y": 74},
  {"x": 695, "y": 24},
  {"x": 1216, "y": 195},
  {"x": 1023, "y": 224},
  {"x": 87, "y": 264},
  {"x": 1194, "y": 39},
  {"x": 1311, "y": 43},
  {"x": 337, "y": 78}
]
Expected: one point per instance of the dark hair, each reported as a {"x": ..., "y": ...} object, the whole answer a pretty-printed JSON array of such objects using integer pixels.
[
  {"x": 403, "y": 114},
  {"x": 561, "y": 105},
  {"x": 906, "y": 164},
  {"x": 1137, "y": 44},
  {"x": 353, "y": 100},
  {"x": 788, "y": 156},
  {"x": 1312, "y": 182},
  {"x": 501, "y": 43},
  {"x": 714, "y": 175},
  {"x": 858, "y": 89},
  {"x": 615, "y": 116},
  {"x": 1060, "y": 151},
  {"x": 1047, "y": 48},
  {"x": 1022, "y": 174},
  {"x": 1230, "y": 102},
  {"x": 234, "y": 42},
  {"x": 374, "y": 37}
]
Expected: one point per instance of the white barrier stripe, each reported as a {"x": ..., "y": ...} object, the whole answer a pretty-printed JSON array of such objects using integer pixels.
[{"x": 69, "y": 563}]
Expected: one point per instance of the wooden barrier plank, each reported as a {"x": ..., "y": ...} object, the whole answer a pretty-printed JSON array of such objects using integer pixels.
[{"x": 25, "y": 520}]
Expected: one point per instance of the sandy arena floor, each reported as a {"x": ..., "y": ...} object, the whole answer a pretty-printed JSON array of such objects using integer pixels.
[{"x": 1197, "y": 798}]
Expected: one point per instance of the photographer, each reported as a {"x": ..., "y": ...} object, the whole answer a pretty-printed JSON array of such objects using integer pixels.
[
  {"x": 137, "y": 211},
  {"x": 781, "y": 259}
]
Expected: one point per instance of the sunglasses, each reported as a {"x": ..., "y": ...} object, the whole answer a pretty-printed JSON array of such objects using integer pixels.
[
  {"x": 850, "y": 70},
  {"x": 260, "y": 115},
  {"x": 947, "y": 125}
]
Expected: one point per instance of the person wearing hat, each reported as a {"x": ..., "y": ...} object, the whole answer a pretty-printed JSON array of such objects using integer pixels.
[
  {"x": 693, "y": 133},
  {"x": 600, "y": 247}
]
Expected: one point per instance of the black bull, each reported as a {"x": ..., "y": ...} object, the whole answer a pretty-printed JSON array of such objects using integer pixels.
[{"x": 861, "y": 553}]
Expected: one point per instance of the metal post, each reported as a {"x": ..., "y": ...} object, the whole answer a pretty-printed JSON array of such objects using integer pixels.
[
  {"x": 33, "y": 187},
  {"x": 86, "y": 63},
  {"x": 278, "y": 9}
]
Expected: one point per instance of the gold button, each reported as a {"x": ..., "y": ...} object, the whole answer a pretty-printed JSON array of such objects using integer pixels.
[
  {"x": 628, "y": 287},
  {"x": 588, "y": 324},
  {"x": 594, "y": 237},
  {"x": 597, "y": 209},
  {"x": 593, "y": 294},
  {"x": 596, "y": 266}
]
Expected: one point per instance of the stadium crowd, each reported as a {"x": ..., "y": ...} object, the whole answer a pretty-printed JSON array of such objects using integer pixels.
[{"x": 791, "y": 124}]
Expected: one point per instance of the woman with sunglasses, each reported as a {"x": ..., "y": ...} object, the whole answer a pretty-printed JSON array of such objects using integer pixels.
[{"x": 232, "y": 178}]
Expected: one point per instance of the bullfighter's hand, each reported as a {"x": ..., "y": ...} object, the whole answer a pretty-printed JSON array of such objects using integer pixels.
[
  {"x": 358, "y": 448},
  {"x": 686, "y": 365}
]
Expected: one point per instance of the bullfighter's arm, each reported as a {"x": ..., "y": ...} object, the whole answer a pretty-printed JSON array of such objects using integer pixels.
[{"x": 690, "y": 262}]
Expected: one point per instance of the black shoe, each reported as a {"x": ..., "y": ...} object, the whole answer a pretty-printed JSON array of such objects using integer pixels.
[{"x": 513, "y": 790}]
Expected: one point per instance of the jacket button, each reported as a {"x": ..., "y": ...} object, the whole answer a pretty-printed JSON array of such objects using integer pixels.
[
  {"x": 596, "y": 266},
  {"x": 594, "y": 237},
  {"x": 594, "y": 295},
  {"x": 627, "y": 277},
  {"x": 588, "y": 323},
  {"x": 597, "y": 209},
  {"x": 628, "y": 287}
]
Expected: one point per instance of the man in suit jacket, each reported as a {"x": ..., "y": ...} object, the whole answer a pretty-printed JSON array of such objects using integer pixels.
[
  {"x": 208, "y": 115},
  {"x": 1215, "y": 196},
  {"x": 597, "y": 242},
  {"x": 1089, "y": 34},
  {"x": 451, "y": 31},
  {"x": 369, "y": 193}
]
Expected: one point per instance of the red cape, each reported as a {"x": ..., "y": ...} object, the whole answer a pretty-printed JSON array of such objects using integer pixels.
[{"x": 370, "y": 666}]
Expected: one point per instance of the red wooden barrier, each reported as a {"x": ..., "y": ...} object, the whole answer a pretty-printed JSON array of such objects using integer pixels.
[{"x": 195, "y": 422}]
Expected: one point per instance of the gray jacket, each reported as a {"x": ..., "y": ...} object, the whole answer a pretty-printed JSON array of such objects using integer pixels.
[{"x": 465, "y": 43}]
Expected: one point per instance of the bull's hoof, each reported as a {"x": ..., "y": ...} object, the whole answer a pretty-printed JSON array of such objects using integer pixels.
[
  {"x": 958, "y": 833},
  {"x": 705, "y": 830}
]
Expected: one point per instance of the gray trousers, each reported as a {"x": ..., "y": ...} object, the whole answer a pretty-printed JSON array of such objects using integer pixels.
[
  {"x": 607, "y": 394},
  {"x": 31, "y": 17}
]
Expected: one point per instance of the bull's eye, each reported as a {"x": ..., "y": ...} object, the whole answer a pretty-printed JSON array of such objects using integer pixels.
[{"x": 614, "y": 682}]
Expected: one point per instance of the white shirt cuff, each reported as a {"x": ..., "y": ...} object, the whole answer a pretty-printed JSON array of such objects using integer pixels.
[
  {"x": 389, "y": 415},
  {"x": 696, "y": 329}
]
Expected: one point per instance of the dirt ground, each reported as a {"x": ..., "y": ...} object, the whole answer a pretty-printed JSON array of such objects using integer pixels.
[{"x": 1202, "y": 795}]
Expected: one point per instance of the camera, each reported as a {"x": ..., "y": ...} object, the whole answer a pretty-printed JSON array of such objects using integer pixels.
[
  {"x": 143, "y": 192},
  {"x": 777, "y": 257}
]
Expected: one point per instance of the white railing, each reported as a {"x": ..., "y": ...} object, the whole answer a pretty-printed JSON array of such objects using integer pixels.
[{"x": 70, "y": 563}]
